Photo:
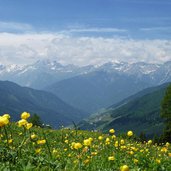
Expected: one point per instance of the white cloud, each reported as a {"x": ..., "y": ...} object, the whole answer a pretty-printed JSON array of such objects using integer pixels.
[
  {"x": 96, "y": 30},
  {"x": 155, "y": 29},
  {"x": 27, "y": 48},
  {"x": 14, "y": 27}
]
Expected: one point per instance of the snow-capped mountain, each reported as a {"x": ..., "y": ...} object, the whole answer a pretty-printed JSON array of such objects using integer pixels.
[
  {"x": 110, "y": 83},
  {"x": 46, "y": 72},
  {"x": 41, "y": 73}
]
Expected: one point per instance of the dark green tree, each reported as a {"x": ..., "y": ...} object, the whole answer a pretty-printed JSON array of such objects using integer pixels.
[
  {"x": 166, "y": 115},
  {"x": 142, "y": 137},
  {"x": 35, "y": 120}
]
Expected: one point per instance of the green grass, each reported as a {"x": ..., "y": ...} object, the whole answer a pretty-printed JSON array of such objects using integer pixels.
[{"x": 19, "y": 151}]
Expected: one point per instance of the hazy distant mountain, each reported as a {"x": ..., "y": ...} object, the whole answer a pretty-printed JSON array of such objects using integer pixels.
[
  {"x": 89, "y": 88},
  {"x": 15, "y": 99},
  {"x": 96, "y": 90},
  {"x": 140, "y": 113},
  {"x": 40, "y": 74},
  {"x": 109, "y": 84},
  {"x": 46, "y": 72}
]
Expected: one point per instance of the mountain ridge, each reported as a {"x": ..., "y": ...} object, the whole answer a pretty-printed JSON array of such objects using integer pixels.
[
  {"x": 53, "y": 71},
  {"x": 140, "y": 112},
  {"x": 16, "y": 99}
]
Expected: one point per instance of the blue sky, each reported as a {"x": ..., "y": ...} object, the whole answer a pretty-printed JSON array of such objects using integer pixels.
[
  {"x": 141, "y": 18},
  {"x": 137, "y": 20}
]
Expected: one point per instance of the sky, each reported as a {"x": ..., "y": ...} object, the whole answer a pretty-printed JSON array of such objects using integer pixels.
[{"x": 84, "y": 32}]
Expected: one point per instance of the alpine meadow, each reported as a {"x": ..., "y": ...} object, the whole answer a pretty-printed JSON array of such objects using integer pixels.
[{"x": 85, "y": 85}]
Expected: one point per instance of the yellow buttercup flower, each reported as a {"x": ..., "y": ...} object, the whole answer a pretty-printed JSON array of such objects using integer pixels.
[
  {"x": 10, "y": 141},
  {"x": 28, "y": 125},
  {"x": 86, "y": 161},
  {"x": 3, "y": 121},
  {"x": 112, "y": 131},
  {"x": 113, "y": 136},
  {"x": 124, "y": 168},
  {"x": 149, "y": 142},
  {"x": 167, "y": 144},
  {"x": 158, "y": 161},
  {"x": 129, "y": 133},
  {"x": 100, "y": 138},
  {"x": 55, "y": 151},
  {"x": 131, "y": 152},
  {"x": 111, "y": 158},
  {"x": 91, "y": 139},
  {"x": 87, "y": 142},
  {"x": 25, "y": 115},
  {"x": 41, "y": 142},
  {"x": 22, "y": 122},
  {"x": 135, "y": 161},
  {"x": 38, "y": 150},
  {"x": 33, "y": 136},
  {"x": 66, "y": 141},
  {"x": 77, "y": 146},
  {"x": 116, "y": 144},
  {"x": 164, "y": 150},
  {"x": 107, "y": 140},
  {"x": 7, "y": 116},
  {"x": 85, "y": 149},
  {"x": 122, "y": 142},
  {"x": 94, "y": 153}
]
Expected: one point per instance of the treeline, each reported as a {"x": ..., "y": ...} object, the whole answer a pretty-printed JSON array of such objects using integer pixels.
[{"x": 165, "y": 113}]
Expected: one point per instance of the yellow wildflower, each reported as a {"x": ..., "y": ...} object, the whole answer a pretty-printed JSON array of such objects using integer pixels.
[
  {"x": 131, "y": 152},
  {"x": 25, "y": 115},
  {"x": 135, "y": 161},
  {"x": 91, "y": 139},
  {"x": 164, "y": 150},
  {"x": 112, "y": 131},
  {"x": 113, "y": 136},
  {"x": 167, "y": 144},
  {"x": 158, "y": 161},
  {"x": 41, "y": 142},
  {"x": 116, "y": 144},
  {"x": 55, "y": 151},
  {"x": 28, "y": 125},
  {"x": 149, "y": 142},
  {"x": 3, "y": 121},
  {"x": 33, "y": 136},
  {"x": 87, "y": 142},
  {"x": 77, "y": 146},
  {"x": 66, "y": 141},
  {"x": 122, "y": 142},
  {"x": 124, "y": 168},
  {"x": 107, "y": 140},
  {"x": 38, "y": 150},
  {"x": 86, "y": 161},
  {"x": 129, "y": 133},
  {"x": 111, "y": 158},
  {"x": 10, "y": 141},
  {"x": 85, "y": 149},
  {"x": 22, "y": 122},
  {"x": 93, "y": 153},
  {"x": 100, "y": 138},
  {"x": 6, "y": 116}
]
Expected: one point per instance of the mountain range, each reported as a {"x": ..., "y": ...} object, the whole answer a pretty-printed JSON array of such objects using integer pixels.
[
  {"x": 15, "y": 99},
  {"x": 40, "y": 74},
  {"x": 89, "y": 88},
  {"x": 109, "y": 84}
]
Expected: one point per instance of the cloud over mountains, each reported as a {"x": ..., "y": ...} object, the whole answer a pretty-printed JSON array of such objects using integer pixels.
[{"x": 81, "y": 50}]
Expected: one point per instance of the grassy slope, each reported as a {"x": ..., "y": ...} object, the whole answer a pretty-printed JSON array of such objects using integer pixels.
[
  {"x": 15, "y": 99},
  {"x": 140, "y": 112}
]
